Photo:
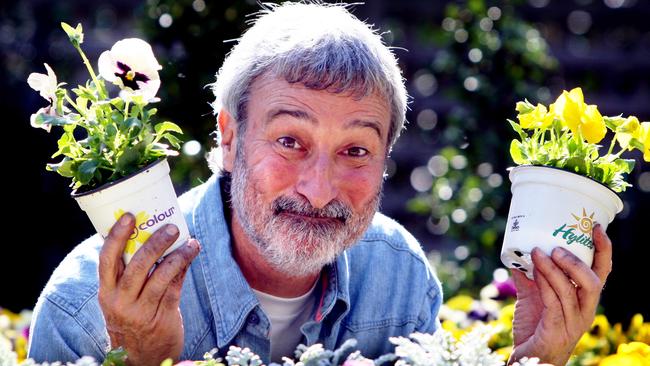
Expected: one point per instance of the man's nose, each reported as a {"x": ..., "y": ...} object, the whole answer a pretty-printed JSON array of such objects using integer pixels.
[{"x": 316, "y": 182}]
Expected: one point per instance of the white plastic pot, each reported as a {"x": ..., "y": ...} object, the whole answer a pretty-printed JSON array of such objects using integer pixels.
[
  {"x": 552, "y": 208},
  {"x": 148, "y": 194}
]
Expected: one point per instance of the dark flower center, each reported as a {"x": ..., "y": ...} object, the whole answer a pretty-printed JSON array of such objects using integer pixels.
[{"x": 129, "y": 77}]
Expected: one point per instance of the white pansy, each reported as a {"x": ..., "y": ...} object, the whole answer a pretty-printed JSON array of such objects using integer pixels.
[
  {"x": 46, "y": 85},
  {"x": 131, "y": 65}
]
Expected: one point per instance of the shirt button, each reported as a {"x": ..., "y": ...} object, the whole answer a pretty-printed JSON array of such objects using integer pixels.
[{"x": 254, "y": 319}]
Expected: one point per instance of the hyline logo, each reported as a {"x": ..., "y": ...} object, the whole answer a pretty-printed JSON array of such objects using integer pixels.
[
  {"x": 143, "y": 222},
  {"x": 570, "y": 232}
]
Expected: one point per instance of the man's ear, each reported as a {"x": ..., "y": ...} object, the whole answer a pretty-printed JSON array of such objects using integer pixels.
[{"x": 228, "y": 131}]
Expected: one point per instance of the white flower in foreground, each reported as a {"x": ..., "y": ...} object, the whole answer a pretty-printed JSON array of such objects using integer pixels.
[
  {"x": 131, "y": 65},
  {"x": 46, "y": 85}
]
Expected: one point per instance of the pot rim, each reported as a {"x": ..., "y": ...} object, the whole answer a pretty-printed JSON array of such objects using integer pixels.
[
  {"x": 563, "y": 170},
  {"x": 75, "y": 194}
]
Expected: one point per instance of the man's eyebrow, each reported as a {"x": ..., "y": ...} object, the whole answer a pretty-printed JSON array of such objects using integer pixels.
[
  {"x": 365, "y": 123},
  {"x": 302, "y": 115},
  {"x": 295, "y": 113}
]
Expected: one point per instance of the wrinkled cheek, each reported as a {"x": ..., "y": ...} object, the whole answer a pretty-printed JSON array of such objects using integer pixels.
[
  {"x": 361, "y": 187},
  {"x": 271, "y": 178}
]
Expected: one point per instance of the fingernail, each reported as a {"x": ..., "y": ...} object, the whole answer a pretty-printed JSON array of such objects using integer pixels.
[
  {"x": 171, "y": 229},
  {"x": 559, "y": 252},
  {"x": 125, "y": 220}
]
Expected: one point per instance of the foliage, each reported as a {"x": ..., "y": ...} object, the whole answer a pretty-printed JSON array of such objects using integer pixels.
[
  {"x": 485, "y": 56},
  {"x": 566, "y": 135},
  {"x": 474, "y": 331},
  {"x": 120, "y": 137}
]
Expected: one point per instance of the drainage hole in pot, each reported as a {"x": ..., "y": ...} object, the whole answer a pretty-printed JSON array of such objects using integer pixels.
[
  {"x": 518, "y": 253},
  {"x": 516, "y": 264}
]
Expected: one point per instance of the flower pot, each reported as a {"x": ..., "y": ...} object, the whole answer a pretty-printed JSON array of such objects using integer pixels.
[
  {"x": 148, "y": 194},
  {"x": 551, "y": 208}
]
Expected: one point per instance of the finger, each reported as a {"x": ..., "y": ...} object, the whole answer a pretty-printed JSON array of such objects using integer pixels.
[
  {"x": 603, "y": 253},
  {"x": 589, "y": 285},
  {"x": 172, "y": 297},
  {"x": 560, "y": 283},
  {"x": 110, "y": 257},
  {"x": 175, "y": 264},
  {"x": 549, "y": 297},
  {"x": 137, "y": 271}
]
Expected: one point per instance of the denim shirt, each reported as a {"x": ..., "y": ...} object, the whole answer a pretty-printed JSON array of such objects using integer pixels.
[{"x": 381, "y": 287}]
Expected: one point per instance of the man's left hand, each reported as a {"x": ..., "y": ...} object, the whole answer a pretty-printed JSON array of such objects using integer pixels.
[{"x": 553, "y": 311}]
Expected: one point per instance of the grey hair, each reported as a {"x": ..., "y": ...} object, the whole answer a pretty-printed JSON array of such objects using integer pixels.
[{"x": 321, "y": 46}]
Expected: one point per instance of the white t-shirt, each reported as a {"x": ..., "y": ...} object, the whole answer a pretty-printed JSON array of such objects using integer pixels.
[{"x": 287, "y": 315}]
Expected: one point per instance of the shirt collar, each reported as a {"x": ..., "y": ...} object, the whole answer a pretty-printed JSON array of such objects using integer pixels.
[{"x": 231, "y": 298}]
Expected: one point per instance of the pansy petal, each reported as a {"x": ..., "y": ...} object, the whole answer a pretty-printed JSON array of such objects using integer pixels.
[
  {"x": 136, "y": 53},
  {"x": 149, "y": 89},
  {"x": 46, "y": 85},
  {"x": 107, "y": 66},
  {"x": 32, "y": 119}
]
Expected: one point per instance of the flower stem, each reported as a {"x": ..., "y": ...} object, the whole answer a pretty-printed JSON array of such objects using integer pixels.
[
  {"x": 611, "y": 146},
  {"x": 74, "y": 105},
  {"x": 102, "y": 92}
]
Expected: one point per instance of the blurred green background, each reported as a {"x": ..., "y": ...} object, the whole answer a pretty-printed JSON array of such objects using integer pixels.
[{"x": 466, "y": 64}]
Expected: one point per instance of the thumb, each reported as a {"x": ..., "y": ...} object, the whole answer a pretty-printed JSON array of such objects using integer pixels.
[{"x": 522, "y": 283}]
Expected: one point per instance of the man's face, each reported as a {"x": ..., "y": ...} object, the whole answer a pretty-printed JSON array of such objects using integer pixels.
[{"x": 307, "y": 175}]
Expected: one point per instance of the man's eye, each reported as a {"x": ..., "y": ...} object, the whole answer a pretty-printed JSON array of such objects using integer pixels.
[
  {"x": 357, "y": 152},
  {"x": 289, "y": 143}
]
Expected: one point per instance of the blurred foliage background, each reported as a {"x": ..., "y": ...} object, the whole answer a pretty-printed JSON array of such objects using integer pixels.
[{"x": 466, "y": 64}]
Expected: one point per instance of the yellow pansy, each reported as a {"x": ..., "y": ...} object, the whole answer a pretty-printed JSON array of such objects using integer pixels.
[
  {"x": 643, "y": 335},
  {"x": 504, "y": 352},
  {"x": 635, "y": 325},
  {"x": 600, "y": 326},
  {"x": 623, "y": 360},
  {"x": 643, "y": 134},
  {"x": 592, "y": 125},
  {"x": 626, "y": 131},
  {"x": 579, "y": 117},
  {"x": 460, "y": 302},
  {"x": 536, "y": 118},
  {"x": 638, "y": 348},
  {"x": 586, "y": 343}
]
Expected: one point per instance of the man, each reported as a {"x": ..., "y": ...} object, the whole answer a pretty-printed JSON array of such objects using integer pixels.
[{"x": 291, "y": 248}]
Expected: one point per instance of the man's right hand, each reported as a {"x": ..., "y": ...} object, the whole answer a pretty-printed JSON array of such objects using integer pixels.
[{"x": 142, "y": 312}]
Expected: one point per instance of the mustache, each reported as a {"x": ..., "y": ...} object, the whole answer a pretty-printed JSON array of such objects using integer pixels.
[{"x": 334, "y": 210}]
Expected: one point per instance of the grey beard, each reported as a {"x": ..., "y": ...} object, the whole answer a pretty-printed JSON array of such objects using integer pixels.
[{"x": 295, "y": 238}]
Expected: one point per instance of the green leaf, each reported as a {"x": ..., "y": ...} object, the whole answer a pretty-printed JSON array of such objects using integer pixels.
[
  {"x": 86, "y": 171},
  {"x": 116, "y": 357},
  {"x": 624, "y": 166},
  {"x": 64, "y": 168},
  {"x": 130, "y": 123},
  {"x": 173, "y": 140},
  {"x": 167, "y": 126},
  {"x": 516, "y": 152},
  {"x": 46, "y": 119},
  {"x": 517, "y": 127},
  {"x": 127, "y": 161}
]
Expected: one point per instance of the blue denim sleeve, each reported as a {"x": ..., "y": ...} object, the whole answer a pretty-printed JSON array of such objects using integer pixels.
[
  {"x": 57, "y": 335},
  {"x": 430, "y": 308}
]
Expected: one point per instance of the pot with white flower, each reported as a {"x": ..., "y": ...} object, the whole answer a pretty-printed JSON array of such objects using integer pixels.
[
  {"x": 563, "y": 186},
  {"x": 120, "y": 166}
]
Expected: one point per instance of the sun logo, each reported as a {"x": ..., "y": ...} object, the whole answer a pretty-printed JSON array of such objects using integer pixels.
[
  {"x": 585, "y": 223},
  {"x": 138, "y": 236}
]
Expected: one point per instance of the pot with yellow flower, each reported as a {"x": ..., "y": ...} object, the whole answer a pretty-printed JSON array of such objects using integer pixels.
[
  {"x": 562, "y": 185},
  {"x": 120, "y": 166}
]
